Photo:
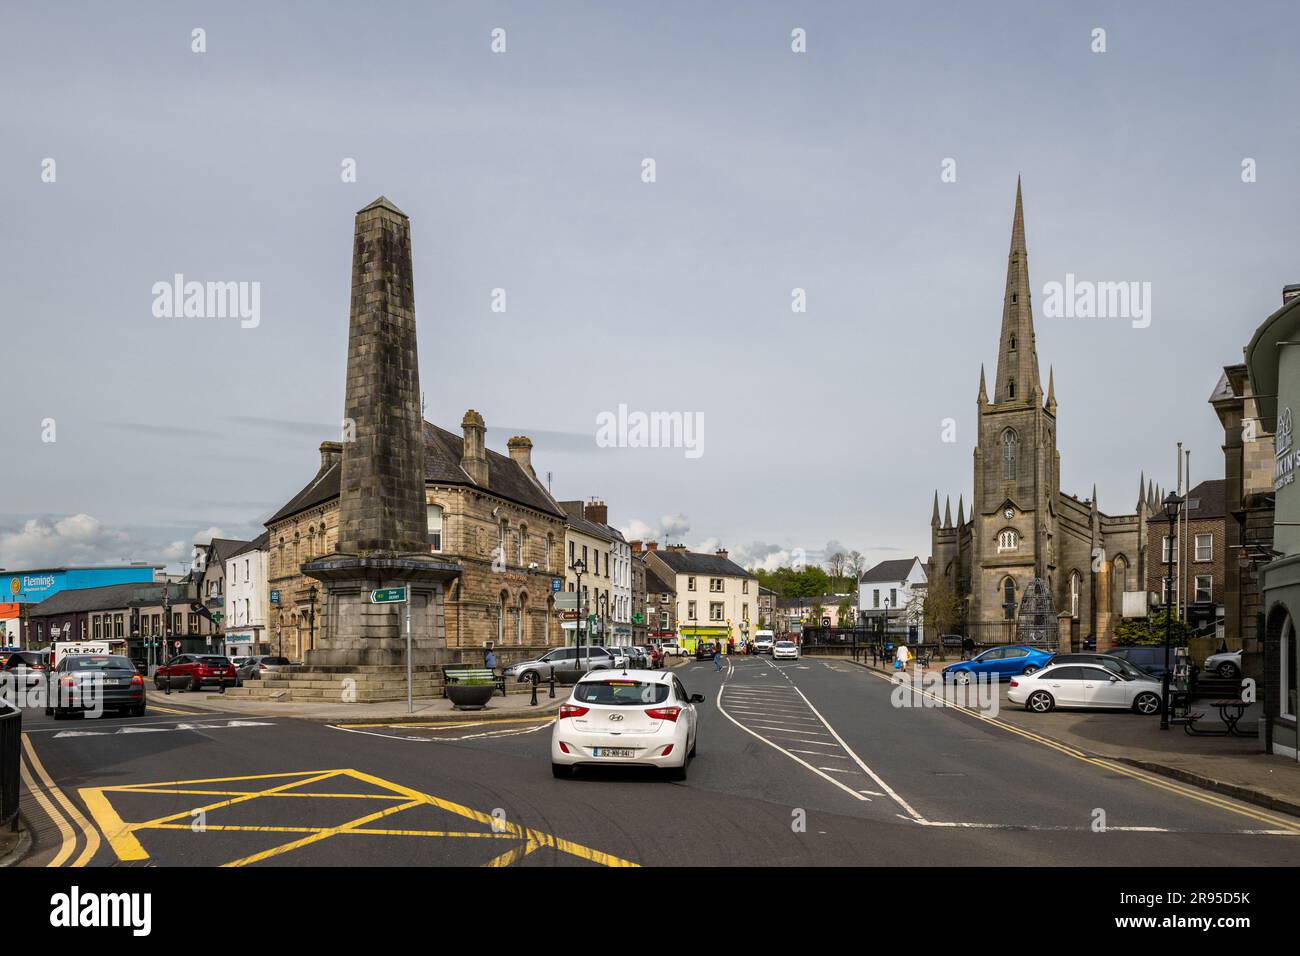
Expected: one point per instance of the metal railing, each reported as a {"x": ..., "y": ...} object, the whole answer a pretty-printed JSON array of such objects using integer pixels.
[{"x": 11, "y": 744}]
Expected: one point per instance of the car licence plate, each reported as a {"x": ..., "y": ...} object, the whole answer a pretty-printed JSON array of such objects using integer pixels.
[
  {"x": 114, "y": 680},
  {"x": 612, "y": 751}
]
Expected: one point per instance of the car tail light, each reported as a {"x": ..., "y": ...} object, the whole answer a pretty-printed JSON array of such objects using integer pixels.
[
  {"x": 667, "y": 751},
  {"x": 1014, "y": 682},
  {"x": 564, "y": 748},
  {"x": 68, "y": 681},
  {"x": 136, "y": 679},
  {"x": 572, "y": 710},
  {"x": 664, "y": 713}
]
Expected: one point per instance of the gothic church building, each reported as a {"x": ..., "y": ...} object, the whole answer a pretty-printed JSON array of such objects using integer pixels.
[{"x": 1022, "y": 526}]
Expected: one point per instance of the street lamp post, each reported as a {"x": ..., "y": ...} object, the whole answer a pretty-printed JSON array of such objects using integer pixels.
[
  {"x": 311, "y": 617},
  {"x": 1173, "y": 504},
  {"x": 579, "y": 568}
]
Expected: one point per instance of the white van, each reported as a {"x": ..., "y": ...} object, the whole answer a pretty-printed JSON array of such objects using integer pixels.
[{"x": 763, "y": 641}]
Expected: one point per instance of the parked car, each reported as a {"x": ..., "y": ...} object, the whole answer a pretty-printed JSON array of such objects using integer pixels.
[
  {"x": 195, "y": 672},
  {"x": 564, "y": 662},
  {"x": 641, "y": 718},
  {"x": 1084, "y": 685},
  {"x": 785, "y": 650},
  {"x": 1000, "y": 662},
  {"x": 4, "y": 654},
  {"x": 253, "y": 668},
  {"x": 638, "y": 657},
  {"x": 704, "y": 651},
  {"x": 670, "y": 649},
  {"x": 1117, "y": 664},
  {"x": 1227, "y": 664},
  {"x": 26, "y": 662},
  {"x": 82, "y": 682},
  {"x": 763, "y": 643},
  {"x": 1149, "y": 658}
]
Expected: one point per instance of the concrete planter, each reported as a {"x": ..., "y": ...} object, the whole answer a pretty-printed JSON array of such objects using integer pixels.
[{"x": 470, "y": 696}]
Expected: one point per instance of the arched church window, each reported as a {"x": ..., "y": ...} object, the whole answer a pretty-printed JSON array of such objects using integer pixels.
[
  {"x": 1013, "y": 341},
  {"x": 1074, "y": 594},
  {"x": 1011, "y": 388},
  {"x": 1008, "y": 540},
  {"x": 1009, "y": 599},
  {"x": 1009, "y": 451}
]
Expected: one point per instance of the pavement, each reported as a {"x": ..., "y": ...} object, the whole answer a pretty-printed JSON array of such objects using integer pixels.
[
  {"x": 808, "y": 762},
  {"x": 1236, "y": 766}
]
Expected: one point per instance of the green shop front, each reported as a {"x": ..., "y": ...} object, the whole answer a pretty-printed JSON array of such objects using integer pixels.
[{"x": 1273, "y": 358}]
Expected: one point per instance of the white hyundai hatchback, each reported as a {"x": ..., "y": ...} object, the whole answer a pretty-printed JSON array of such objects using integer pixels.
[
  {"x": 630, "y": 717},
  {"x": 785, "y": 651}
]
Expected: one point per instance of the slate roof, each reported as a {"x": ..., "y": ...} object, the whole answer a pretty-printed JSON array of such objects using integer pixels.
[
  {"x": 1211, "y": 502},
  {"x": 442, "y": 453},
  {"x": 654, "y": 584},
  {"x": 105, "y": 598},
  {"x": 573, "y": 515},
  {"x": 896, "y": 570},
  {"x": 223, "y": 548},
  {"x": 259, "y": 543},
  {"x": 694, "y": 562}
]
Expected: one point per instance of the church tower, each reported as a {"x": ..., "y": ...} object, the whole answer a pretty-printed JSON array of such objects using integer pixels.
[{"x": 1017, "y": 467}]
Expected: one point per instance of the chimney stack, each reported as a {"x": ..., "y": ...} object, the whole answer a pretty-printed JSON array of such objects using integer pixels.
[
  {"x": 474, "y": 456},
  {"x": 521, "y": 450},
  {"x": 679, "y": 548},
  {"x": 635, "y": 546},
  {"x": 1289, "y": 292},
  {"x": 596, "y": 510},
  {"x": 722, "y": 553},
  {"x": 331, "y": 453},
  {"x": 652, "y": 546}
]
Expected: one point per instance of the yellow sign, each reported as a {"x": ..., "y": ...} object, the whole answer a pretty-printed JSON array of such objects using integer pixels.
[{"x": 15, "y": 586}]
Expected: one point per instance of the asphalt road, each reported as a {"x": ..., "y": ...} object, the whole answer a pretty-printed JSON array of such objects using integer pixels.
[{"x": 801, "y": 763}]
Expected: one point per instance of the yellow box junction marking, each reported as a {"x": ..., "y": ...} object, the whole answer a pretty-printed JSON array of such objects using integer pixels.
[{"x": 121, "y": 834}]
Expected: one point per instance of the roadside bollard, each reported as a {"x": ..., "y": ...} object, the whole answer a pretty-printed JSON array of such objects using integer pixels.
[
  {"x": 552, "y": 693},
  {"x": 532, "y": 701}
]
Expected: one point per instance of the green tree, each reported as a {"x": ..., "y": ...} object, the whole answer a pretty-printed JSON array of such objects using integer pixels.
[
  {"x": 844, "y": 615},
  {"x": 1150, "y": 631},
  {"x": 943, "y": 610}
]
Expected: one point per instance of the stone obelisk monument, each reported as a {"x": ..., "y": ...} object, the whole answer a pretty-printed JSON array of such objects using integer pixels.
[{"x": 383, "y": 536}]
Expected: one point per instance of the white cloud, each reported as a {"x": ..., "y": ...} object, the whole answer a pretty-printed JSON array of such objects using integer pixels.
[
  {"x": 82, "y": 539},
  {"x": 669, "y": 530}
]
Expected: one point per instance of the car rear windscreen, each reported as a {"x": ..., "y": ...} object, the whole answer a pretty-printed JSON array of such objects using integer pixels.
[
  {"x": 214, "y": 661},
  {"x": 631, "y": 692},
  {"x": 97, "y": 662}
]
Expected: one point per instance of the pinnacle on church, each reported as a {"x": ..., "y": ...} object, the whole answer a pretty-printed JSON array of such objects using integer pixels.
[
  {"x": 1017, "y": 377},
  {"x": 1051, "y": 389},
  {"x": 961, "y": 512},
  {"x": 947, "y": 512},
  {"x": 1142, "y": 477},
  {"x": 984, "y": 393},
  {"x": 1094, "y": 496},
  {"x": 934, "y": 519}
]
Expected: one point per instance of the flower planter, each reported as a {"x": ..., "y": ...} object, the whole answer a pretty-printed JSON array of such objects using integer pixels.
[{"x": 470, "y": 696}]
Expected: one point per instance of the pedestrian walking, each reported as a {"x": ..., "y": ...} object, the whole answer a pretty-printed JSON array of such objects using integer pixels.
[
  {"x": 717, "y": 657},
  {"x": 490, "y": 659},
  {"x": 901, "y": 656},
  {"x": 967, "y": 648}
]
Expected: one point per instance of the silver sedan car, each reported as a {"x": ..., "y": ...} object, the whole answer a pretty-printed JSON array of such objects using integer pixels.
[{"x": 254, "y": 667}]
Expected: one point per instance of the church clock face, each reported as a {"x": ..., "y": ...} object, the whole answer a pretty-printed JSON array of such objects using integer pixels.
[{"x": 1009, "y": 513}]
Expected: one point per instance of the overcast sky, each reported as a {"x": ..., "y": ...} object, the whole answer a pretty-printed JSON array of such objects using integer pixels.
[{"x": 522, "y": 171}]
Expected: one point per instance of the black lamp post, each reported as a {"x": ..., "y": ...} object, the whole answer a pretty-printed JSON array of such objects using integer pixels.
[
  {"x": 579, "y": 568},
  {"x": 311, "y": 617},
  {"x": 1173, "y": 505}
]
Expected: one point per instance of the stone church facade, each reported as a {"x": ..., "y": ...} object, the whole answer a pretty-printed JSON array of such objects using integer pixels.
[{"x": 1022, "y": 526}]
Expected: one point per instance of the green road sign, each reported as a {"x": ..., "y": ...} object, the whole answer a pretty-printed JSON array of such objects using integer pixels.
[{"x": 388, "y": 596}]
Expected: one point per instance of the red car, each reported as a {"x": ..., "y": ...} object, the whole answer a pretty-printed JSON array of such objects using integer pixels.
[{"x": 195, "y": 672}]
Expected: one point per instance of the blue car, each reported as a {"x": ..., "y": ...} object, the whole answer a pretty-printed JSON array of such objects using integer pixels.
[{"x": 1000, "y": 662}]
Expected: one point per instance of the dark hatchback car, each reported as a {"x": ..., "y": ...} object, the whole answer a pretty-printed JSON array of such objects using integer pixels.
[
  {"x": 1149, "y": 659},
  {"x": 195, "y": 672},
  {"x": 28, "y": 661},
  {"x": 87, "y": 682}
]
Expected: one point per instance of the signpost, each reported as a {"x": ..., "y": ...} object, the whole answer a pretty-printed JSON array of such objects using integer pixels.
[{"x": 400, "y": 596}]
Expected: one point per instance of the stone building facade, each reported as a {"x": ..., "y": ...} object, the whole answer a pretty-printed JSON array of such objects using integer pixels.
[
  {"x": 1022, "y": 526},
  {"x": 485, "y": 511}
]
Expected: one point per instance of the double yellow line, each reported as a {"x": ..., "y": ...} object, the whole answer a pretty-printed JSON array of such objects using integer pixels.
[{"x": 56, "y": 805}]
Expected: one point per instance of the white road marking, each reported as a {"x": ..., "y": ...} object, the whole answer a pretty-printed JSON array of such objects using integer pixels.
[
  {"x": 159, "y": 730},
  {"x": 788, "y": 730}
]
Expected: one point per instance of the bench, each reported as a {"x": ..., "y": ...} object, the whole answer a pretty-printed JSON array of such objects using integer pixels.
[{"x": 455, "y": 673}]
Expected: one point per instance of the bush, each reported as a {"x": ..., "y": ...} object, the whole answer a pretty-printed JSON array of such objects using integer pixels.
[{"x": 1150, "y": 632}]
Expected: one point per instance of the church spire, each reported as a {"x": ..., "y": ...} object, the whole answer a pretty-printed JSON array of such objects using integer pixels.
[
  {"x": 1142, "y": 480},
  {"x": 984, "y": 392},
  {"x": 947, "y": 512},
  {"x": 1051, "y": 390},
  {"x": 934, "y": 518},
  {"x": 961, "y": 512},
  {"x": 1017, "y": 379}
]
